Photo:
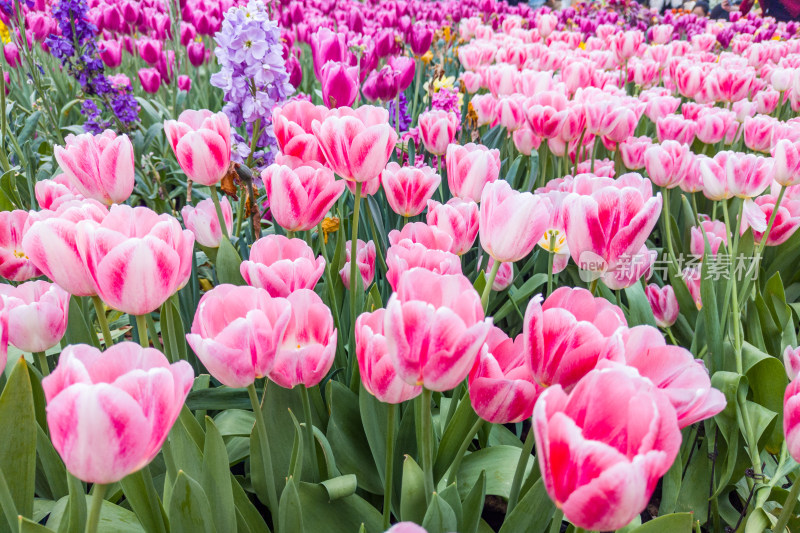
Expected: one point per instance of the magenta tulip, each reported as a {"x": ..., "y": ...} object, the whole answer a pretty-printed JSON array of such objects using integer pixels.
[
  {"x": 409, "y": 188},
  {"x": 150, "y": 78},
  {"x": 282, "y": 266},
  {"x": 469, "y": 168},
  {"x": 203, "y": 222},
  {"x": 109, "y": 413},
  {"x": 201, "y": 141},
  {"x": 110, "y": 52},
  {"x": 339, "y": 84},
  {"x": 300, "y": 198}
]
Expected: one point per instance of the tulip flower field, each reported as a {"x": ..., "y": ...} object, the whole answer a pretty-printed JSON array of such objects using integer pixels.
[{"x": 340, "y": 266}]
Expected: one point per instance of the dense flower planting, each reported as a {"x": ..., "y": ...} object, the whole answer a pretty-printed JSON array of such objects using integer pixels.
[{"x": 406, "y": 266}]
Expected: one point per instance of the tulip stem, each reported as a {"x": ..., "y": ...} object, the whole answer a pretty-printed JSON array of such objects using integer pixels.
[
  {"x": 668, "y": 230},
  {"x": 372, "y": 228},
  {"x": 519, "y": 473},
  {"x": 266, "y": 457},
  {"x": 218, "y": 207},
  {"x": 141, "y": 326},
  {"x": 737, "y": 343},
  {"x": 555, "y": 523},
  {"x": 389, "y": 473},
  {"x": 788, "y": 507},
  {"x": 334, "y": 305},
  {"x": 41, "y": 360},
  {"x": 101, "y": 319},
  {"x": 451, "y": 477},
  {"x": 426, "y": 445},
  {"x": 353, "y": 284},
  {"x": 488, "y": 288},
  {"x": 93, "y": 519},
  {"x": 550, "y": 262},
  {"x": 312, "y": 448}
]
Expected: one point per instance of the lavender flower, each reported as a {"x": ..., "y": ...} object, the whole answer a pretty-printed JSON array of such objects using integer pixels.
[
  {"x": 405, "y": 117},
  {"x": 253, "y": 75}
]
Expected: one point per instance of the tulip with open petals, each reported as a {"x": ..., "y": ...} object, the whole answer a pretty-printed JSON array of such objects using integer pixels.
[
  {"x": 236, "y": 331},
  {"x": 469, "y": 168},
  {"x": 291, "y": 123},
  {"x": 98, "y": 166},
  {"x": 376, "y": 369},
  {"x": 459, "y": 219},
  {"x": 409, "y": 188},
  {"x": 15, "y": 264},
  {"x": 501, "y": 386},
  {"x": 434, "y": 328},
  {"x": 109, "y": 413},
  {"x": 306, "y": 350},
  {"x": 282, "y": 266},
  {"x": 603, "y": 447},
  {"x": 203, "y": 222},
  {"x": 511, "y": 222},
  {"x": 201, "y": 141},
  {"x": 300, "y": 197},
  {"x": 136, "y": 258},
  {"x": 37, "y": 314}
]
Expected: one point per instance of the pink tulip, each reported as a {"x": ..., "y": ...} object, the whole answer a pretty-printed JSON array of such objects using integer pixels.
[
  {"x": 676, "y": 128},
  {"x": 377, "y": 371},
  {"x": 149, "y": 50},
  {"x": 51, "y": 194},
  {"x": 434, "y": 328},
  {"x": 786, "y": 222},
  {"x": 421, "y": 233},
  {"x": 409, "y": 188},
  {"x": 675, "y": 371},
  {"x": 110, "y": 52},
  {"x": 618, "y": 124},
  {"x": 196, "y": 52},
  {"x": 715, "y": 232},
  {"x": 485, "y": 107},
  {"x": 504, "y": 277},
  {"x": 510, "y": 112},
  {"x": 37, "y": 314},
  {"x": 420, "y": 38},
  {"x": 470, "y": 168},
  {"x": 201, "y": 141},
  {"x": 603, "y": 447},
  {"x": 625, "y": 45},
  {"x": 15, "y": 264},
  {"x": 437, "y": 130},
  {"x": 511, "y": 222},
  {"x": 184, "y": 83},
  {"x": 663, "y": 304},
  {"x": 525, "y": 140},
  {"x": 501, "y": 387},
  {"x": 405, "y": 255},
  {"x": 661, "y": 106},
  {"x": 632, "y": 151},
  {"x": 136, "y": 258},
  {"x": 282, "y": 266},
  {"x": 791, "y": 418},
  {"x": 546, "y": 24},
  {"x": 98, "y": 166},
  {"x": 459, "y": 219},
  {"x": 365, "y": 261},
  {"x": 339, "y": 84},
  {"x": 150, "y": 78},
  {"x": 356, "y": 144},
  {"x": 691, "y": 276},
  {"x": 668, "y": 163},
  {"x": 791, "y": 361},
  {"x": 786, "y": 155},
  {"x": 292, "y": 126},
  {"x": 758, "y": 132},
  {"x": 236, "y": 331},
  {"x": 606, "y": 229},
  {"x": 11, "y": 54},
  {"x": 305, "y": 352},
  {"x": 406, "y": 527},
  {"x": 569, "y": 334},
  {"x": 109, "y": 413},
  {"x": 714, "y": 126},
  {"x": 328, "y": 46},
  {"x": 300, "y": 197},
  {"x": 203, "y": 222}
]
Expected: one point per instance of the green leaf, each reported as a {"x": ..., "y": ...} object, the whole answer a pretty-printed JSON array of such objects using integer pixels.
[
  {"x": 18, "y": 439},
  {"x": 451, "y": 497},
  {"x": 245, "y": 509},
  {"x": 189, "y": 508},
  {"x": 454, "y": 435},
  {"x": 639, "y": 310},
  {"x": 290, "y": 508},
  {"x": 78, "y": 330},
  {"x": 499, "y": 463},
  {"x": 532, "y": 513},
  {"x": 143, "y": 499},
  {"x": 374, "y": 418},
  {"x": 412, "y": 495},
  {"x": 227, "y": 264},
  {"x": 217, "y": 479},
  {"x": 440, "y": 517},
  {"x": 7, "y": 504},
  {"x": 112, "y": 517},
  {"x": 53, "y": 469},
  {"x": 344, "y": 515},
  {"x": 674, "y": 523},
  {"x": 711, "y": 314},
  {"x": 296, "y": 463},
  {"x": 340, "y": 487},
  {"x": 767, "y": 379},
  {"x": 518, "y": 297},
  {"x": 473, "y": 506},
  {"x": 27, "y": 526}
]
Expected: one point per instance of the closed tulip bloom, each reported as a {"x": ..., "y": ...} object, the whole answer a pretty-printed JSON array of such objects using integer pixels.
[
  {"x": 109, "y": 413},
  {"x": 291, "y": 123},
  {"x": 791, "y": 361},
  {"x": 409, "y": 188},
  {"x": 632, "y": 151},
  {"x": 136, "y": 258},
  {"x": 357, "y": 145},
  {"x": 236, "y": 331},
  {"x": 37, "y": 314},
  {"x": 511, "y": 222},
  {"x": 504, "y": 277},
  {"x": 3, "y": 337},
  {"x": 434, "y": 328},
  {"x": 377, "y": 371},
  {"x": 567, "y": 335},
  {"x": 299, "y": 198},
  {"x": 787, "y": 219},
  {"x": 437, "y": 130},
  {"x": 469, "y": 168},
  {"x": 603, "y": 447},
  {"x": 306, "y": 350},
  {"x": 786, "y": 155},
  {"x": 758, "y": 132},
  {"x": 282, "y": 266},
  {"x": 668, "y": 163},
  {"x": 203, "y": 222},
  {"x": 201, "y": 141},
  {"x": 406, "y": 527},
  {"x": 365, "y": 261},
  {"x": 501, "y": 387},
  {"x": 618, "y": 124},
  {"x": 676, "y": 128},
  {"x": 663, "y": 303},
  {"x": 716, "y": 233},
  {"x": 51, "y": 194},
  {"x": 98, "y": 166},
  {"x": 791, "y": 418},
  {"x": 406, "y": 254},
  {"x": 110, "y": 52},
  {"x": 15, "y": 264},
  {"x": 150, "y": 78},
  {"x": 459, "y": 219},
  {"x": 11, "y": 54},
  {"x": 420, "y": 38},
  {"x": 421, "y": 233},
  {"x": 339, "y": 83}
]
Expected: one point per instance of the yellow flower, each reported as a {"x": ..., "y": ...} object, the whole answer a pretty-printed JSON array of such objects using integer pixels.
[
  {"x": 446, "y": 32},
  {"x": 427, "y": 57},
  {"x": 205, "y": 285},
  {"x": 329, "y": 225},
  {"x": 440, "y": 83},
  {"x": 776, "y": 37},
  {"x": 4, "y": 34},
  {"x": 582, "y": 46}
]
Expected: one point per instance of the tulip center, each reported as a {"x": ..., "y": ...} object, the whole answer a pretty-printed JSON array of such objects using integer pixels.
[
  {"x": 554, "y": 236},
  {"x": 20, "y": 254}
]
